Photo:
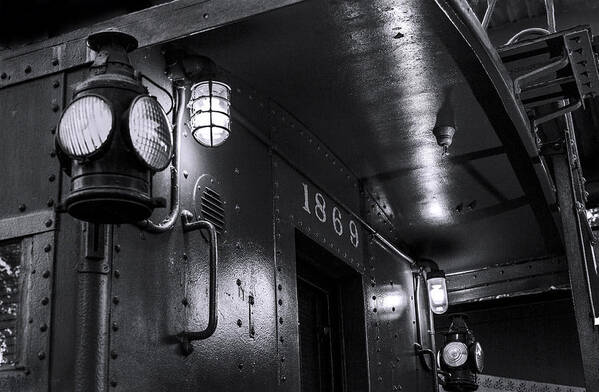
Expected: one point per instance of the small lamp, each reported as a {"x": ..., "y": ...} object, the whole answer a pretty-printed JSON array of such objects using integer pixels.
[
  {"x": 210, "y": 111},
  {"x": 437, "y": 291},
  {"x": 462, "y": 357}
]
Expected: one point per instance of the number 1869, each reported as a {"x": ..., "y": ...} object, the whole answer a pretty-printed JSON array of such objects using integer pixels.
[{"x": 320, "y": 211}]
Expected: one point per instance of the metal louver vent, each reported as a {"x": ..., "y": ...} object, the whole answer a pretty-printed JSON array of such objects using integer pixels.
[{"x": 212, "y": 208}]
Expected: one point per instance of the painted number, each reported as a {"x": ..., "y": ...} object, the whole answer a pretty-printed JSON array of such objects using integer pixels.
[
  {"x": 353, "y": 234},
  {"x": 320, "y": 211},
  {"x": 306, "y": 201},
  {"x": 337, "y": 225}
]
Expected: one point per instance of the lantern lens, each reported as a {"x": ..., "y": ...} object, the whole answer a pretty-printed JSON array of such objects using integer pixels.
[
  {"x": 455, "y": 354},
  {"x": 85, "y": 126},
  {"x": 437, "y": 294},
  {"x": 150, "y": 132},
  {"x": 210, "y": 112},
  {"x": 479, "y": 356}
]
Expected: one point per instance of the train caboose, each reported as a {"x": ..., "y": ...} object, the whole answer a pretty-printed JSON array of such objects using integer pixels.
[{"x": 289, "y": 195}]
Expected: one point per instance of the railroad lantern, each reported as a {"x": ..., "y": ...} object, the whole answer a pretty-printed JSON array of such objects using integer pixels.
[
  {"x": 437, "y": 291},
  {"x": 112, "y": 138},
  {"x": 461, "y": 357}
]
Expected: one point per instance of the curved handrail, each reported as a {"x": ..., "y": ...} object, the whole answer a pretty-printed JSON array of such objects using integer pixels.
[{"x": 187, "y": 337}]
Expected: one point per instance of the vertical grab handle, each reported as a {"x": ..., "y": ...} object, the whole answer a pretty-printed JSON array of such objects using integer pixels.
[{"x": 186, "y": 337}]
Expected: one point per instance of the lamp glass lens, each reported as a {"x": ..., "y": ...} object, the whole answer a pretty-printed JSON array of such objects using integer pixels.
[
  {"x": 437, "y": 295},
  {"x": 210, "y": 112},
  {"x": 150, "y": 132},
  {"x": 211, "y": 136},
  {"x": 85, "y": 126},
  {"x": 479, "y": 357},
  {"x": 455, "y": 354}
]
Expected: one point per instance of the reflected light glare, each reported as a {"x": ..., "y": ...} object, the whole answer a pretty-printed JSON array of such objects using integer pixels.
[
  {"x": 392, "y": 301},
  {"x": 435, "y": 210}
]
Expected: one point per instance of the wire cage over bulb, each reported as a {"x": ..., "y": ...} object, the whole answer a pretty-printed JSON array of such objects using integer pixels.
[{"x": 210, "y": 112}]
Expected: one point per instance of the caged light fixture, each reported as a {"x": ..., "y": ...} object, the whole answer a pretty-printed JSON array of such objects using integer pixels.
[
  {"x": 210, "y": 108},
  {"x": 437, "y": 291}
]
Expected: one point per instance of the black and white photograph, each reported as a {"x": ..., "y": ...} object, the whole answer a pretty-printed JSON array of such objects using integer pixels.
[{"x": 299, "y": 196}]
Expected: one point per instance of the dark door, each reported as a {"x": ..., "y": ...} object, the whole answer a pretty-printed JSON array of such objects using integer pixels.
[
  {"x": 316, "y": 351},
  {"x": 331, "y": 322}
]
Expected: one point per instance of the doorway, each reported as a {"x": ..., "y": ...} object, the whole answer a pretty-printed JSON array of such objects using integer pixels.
[{"x": 332, "y": 335}]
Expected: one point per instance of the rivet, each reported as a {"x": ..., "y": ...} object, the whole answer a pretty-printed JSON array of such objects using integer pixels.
[
  {"x": 55, "y": 107},
  {"x": 22, "y": 207},
  {"x": 281, "y": 339},
  {"x": 47, "y": 248},
  {"x": 113, "y": 383},
  {"x": 115, "y": 300},
  {"x": 117, "y": 248},
  {"x": 115, "y": 326},
  {"x": 185, "y": 301},
  {"x": 239, "y": 323},
  {"x": 44, "y": 327},
  {"x": 55, "y": 62},
  {"x": 237, "y": 208},
  {"x": 205, "y": 16},
  {"x": 280, "y": 287},
  {"x": 280, "y": 302},
  {"x": 374, "y": 297},
  {"x": 48, "y": 223},
  {"x": 53, "y": 131},
  {"x": 185, "y": 173},
  {"x": 283, "y": 378},
  {"x": 45, "y": 301},
  {"x": 46, "y": 274},
  {"x": 113, "y": 354},
  {"x": 238, "y": 282},
  {"x": 280, "y": 320},
  {"x": 41, "y": 355},
  {"x": 3, "y": 75},
  {"x": 240, "y": 365},
  {"x": 117, "y": 274},
  {"x": 51, "y": 177},
  {"x": 28, "y": 69},
  {"x": 50, "y": 202},
  {"x": 374, "y": 310},
  {"x": 30, "y": 320},
  {"x": 52, "y": 154},
  {"x": 236, "y": 171},
  {"x": 282, "y": 359},
  {"x": 27, "y": 372}
]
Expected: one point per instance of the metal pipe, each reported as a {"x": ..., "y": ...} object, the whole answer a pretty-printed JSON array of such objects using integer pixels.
[
  {"x": 169, "y": 222},
  {"x": 532, "y": 30},
  {"x": 419, "y": 344},
  {"x": 256, "y": 132},
  {"x": 431, "y": 332},
  {"x": 93, "y": 310},
  {"x": 550, "y": 8},
  {"x": 488, "y": 13}
]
